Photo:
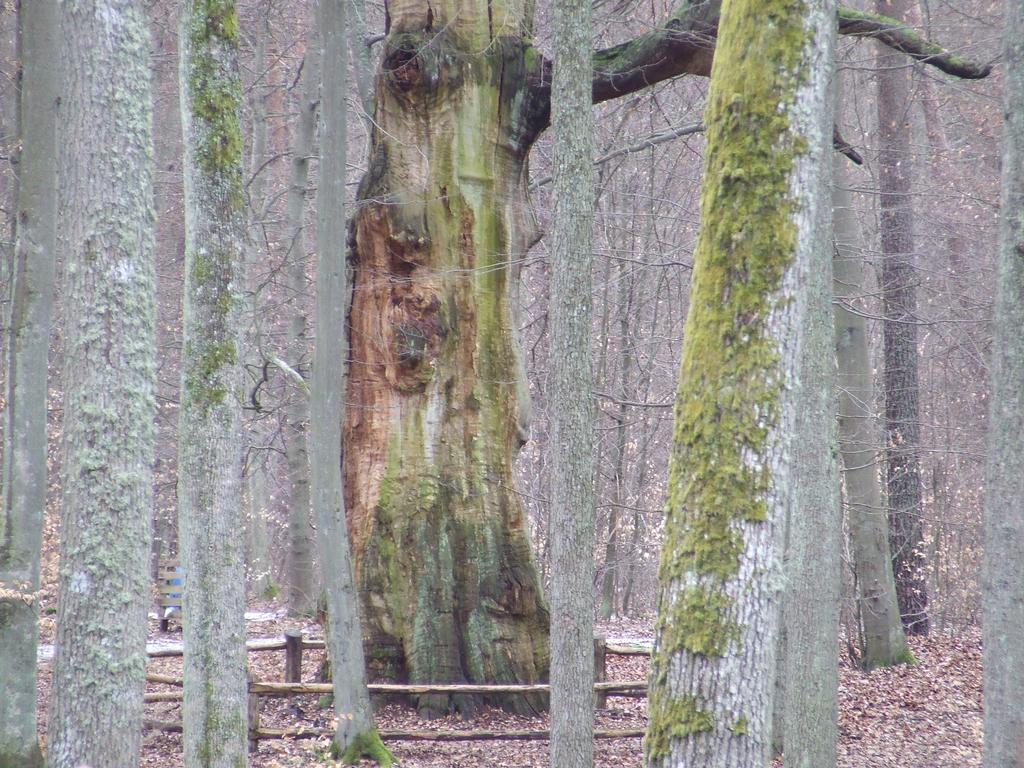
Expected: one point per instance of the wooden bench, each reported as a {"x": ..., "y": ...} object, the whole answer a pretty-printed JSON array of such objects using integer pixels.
[{"x": 170, "y": 579}]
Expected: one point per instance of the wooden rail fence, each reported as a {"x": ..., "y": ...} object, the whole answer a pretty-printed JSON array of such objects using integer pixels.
[{"x": 293, "y": 644}]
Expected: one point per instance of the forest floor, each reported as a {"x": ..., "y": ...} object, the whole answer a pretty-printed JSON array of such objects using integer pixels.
[{"x": 922, "y": 716}]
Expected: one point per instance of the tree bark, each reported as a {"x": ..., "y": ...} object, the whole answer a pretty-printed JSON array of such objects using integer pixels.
[
  {"x": 899, "y": 334},
  {"x": 1003, "y": 572},
  {"x": 731, "y": 469},
  {"x": 570, "y": 382},
  {"x": 814, "y": 530},
  {"x": 355, "y": 734},
  {"x": 110, "y": 370},
  {"x": 24, "y": 469},
  {"x": 302, "y": 581},
  {"x": 884, "y": 643},
  {"x": 257, "y": 544},
  {"x": 210, "y": 436},
  {"x": 449, "y": 588},
  {"x": 448, "y": 581}
]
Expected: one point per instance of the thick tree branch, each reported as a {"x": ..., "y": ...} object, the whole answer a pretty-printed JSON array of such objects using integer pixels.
[
  {"x": 685, "y": 44},
  {"x": 898, "y": 36}
]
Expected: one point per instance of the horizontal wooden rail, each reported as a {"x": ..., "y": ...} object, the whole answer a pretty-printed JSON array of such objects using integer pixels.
[
  {"x": 395, "y": 735},
  {"x": 629, "y": 688},
  {"x": 259, "y": 644},
  {"x": 628, "y": 649},
  {"x": 163, "y": 679},
  {"x": 255, "y": 645}
]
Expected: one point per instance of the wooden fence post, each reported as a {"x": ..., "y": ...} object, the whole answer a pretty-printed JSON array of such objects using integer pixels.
[
  {"x": 601, "y": 669},
  {"x": 293, "y": 656},
  {"x": 254, "y": 719}
]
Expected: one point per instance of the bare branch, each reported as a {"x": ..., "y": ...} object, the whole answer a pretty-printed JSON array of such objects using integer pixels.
[{"x": 685, "y": 44}]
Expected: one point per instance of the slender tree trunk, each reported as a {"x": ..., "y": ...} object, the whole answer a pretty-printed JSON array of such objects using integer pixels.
[
  {"x": 612, "y": 553},
  {"x": 10, "y": 119},
  {"x": 257, "y": 545},
  {"x": 258, "y": 565},
  {"x": 731, "y": 471},
  {"x": 1003, "y": 572},
  {"x": 210, "y": 437},
  {"x": 24, "y": 469},
  {"x": 899, "y": 297},
  {"x": 884, "y": 643},
  {"x": 301, "y": 570},
  {"x": 362, "y": 68},
  {"x": 449, "y": 586},
  {"x": 570, "y": 385},
  {"x": 814, "y": 532},
  {"x": 170, "y": 245},
  {"x": 110, "y": 371},
  {"x": 355, "y": 733}
]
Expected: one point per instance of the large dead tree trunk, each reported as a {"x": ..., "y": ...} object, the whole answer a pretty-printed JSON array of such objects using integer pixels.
[{"x": 447, "y": 576}]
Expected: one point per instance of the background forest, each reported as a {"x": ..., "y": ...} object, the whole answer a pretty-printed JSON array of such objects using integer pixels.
[{"x": 926, "y": 149}]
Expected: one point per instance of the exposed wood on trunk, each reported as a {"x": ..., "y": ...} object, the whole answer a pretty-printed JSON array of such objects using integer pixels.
[{"x": 446, "y": 571}]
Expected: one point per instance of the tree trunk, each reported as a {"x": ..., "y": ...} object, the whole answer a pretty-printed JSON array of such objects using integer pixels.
[
  {"x": 884, "y": 643},
  {"x": 302, "y": 582},
  {"x": 257, "y": 543},
  {"x": 449, "y": 586},
  {"x": 570, "y": 393},
  {"x": 24, "y": 469},
  {"x": 814, "y": 531},
  {"x": 1003, "y": 571},
  {"x": 106, "y": 201},
  {"x": 731, "y": 473},
  {"x": 612, "y": 552},
  {"x": 899, "y": 334},
  {"x": 210, "y": 437},
  {"x": 355, "y": 734}
]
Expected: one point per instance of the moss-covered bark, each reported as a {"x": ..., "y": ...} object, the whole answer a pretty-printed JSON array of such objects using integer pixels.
[
  {"x": 438, "y": 410},
  {"x": 730, "y": 478},
  {"x": 209, "y": 442}
]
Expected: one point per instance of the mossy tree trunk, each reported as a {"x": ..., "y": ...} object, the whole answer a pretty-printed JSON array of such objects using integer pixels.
[
  {"x": 28, "y": 346},
  {"x": 438, "y": 409},
  {"x": 210, "y": 434},
  {"x": 106, "y": 204},
  {"x": 1003, "y": 570},
  {"x": 439, "y": 406},
  {"x": 732, "y": 473}
]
